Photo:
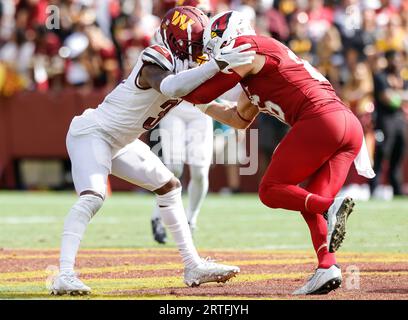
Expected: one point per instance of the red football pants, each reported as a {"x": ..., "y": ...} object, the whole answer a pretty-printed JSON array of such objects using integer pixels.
[{"x": 317, "y": 152}]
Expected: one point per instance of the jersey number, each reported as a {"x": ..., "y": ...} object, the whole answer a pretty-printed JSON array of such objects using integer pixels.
[
  {"x": 151, "y": 122},
  {"x": 270, "y": 107},
  {"x": 273, "y": 108},
  {"x": 309, "y": 68}
]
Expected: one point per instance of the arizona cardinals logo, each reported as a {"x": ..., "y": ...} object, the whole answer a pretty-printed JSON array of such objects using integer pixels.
[{"x": 218, "y": 27}]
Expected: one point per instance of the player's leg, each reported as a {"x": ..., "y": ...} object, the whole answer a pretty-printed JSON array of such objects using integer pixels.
[
  {"x": 90, "y": 157},
  {"x": 396, "y": 157},
  {"x": 197, "y": 190},
  {"x": 199, "y": 155},
  {"x": 172, "y": 134},
  {"x": 327, "y": 182},
  {"x": 138, "y": 165},
  {"x": 306, "y": 147},
  {"x": 173, "y": 131},
  {"x": 379, "y": 155}
]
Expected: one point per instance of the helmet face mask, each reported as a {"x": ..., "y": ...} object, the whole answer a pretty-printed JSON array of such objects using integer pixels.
[
  {"x": 182, "y": 31},
  {"x": 223, "y": 29}
]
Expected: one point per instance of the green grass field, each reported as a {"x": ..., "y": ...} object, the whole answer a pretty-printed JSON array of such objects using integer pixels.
[
  {"x": 120, "y": 260},
  {"x": 35, "y": 219}
]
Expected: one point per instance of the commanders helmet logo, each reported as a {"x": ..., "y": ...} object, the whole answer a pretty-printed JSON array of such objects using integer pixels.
[{"x": 180, "y": 20}]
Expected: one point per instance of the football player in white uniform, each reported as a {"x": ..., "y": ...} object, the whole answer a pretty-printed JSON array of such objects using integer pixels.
[
  {"x": 186, "y": 138},
  {"x": 105, "y": 140}
]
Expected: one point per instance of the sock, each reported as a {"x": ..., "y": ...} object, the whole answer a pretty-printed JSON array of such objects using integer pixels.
[
  {"x": 317, "y": 204},
  {"x": 318, "y": 231},
  {"x": 156, "y": 212},
  {"x": 197, "y": 190},
  {"x": 292, "y": 197},
  {"x": 173, "y": 216},
  {"x": 177, "y": 170},
  {"x": 74, "y": 228}
]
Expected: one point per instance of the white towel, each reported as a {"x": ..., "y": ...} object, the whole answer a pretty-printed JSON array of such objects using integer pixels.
[{"x": 363, "y": 163}]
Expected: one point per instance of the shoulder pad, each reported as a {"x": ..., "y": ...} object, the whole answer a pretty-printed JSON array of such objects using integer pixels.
[{"x": 160, "y": 56}]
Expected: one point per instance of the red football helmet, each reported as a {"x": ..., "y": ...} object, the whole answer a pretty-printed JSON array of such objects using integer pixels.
[{"x": 182, "y": 30}]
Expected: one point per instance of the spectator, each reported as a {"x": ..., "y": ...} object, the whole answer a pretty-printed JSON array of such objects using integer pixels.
[
  {"x": 391, "y": 35},
  {"x": 328, "y": 56},
  {"x": 99, "y": 41},
  {"x": 357, "y": 93},
  {"x": 320, "y": 20},
  {"x": 299, "y": 42},
  {"x": 277, "y": 25},
  {"x": 17, "y": 55},
  {"x": 390, "y": 125}
]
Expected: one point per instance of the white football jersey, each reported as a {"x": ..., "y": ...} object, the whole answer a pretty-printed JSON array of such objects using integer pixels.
[{"x": 129, "y": 110}]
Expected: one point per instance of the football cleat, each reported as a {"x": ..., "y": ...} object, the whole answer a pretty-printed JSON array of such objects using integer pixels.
[
  {"x": 209, "y": 271},
  {"x": 68, "y": 283},
  {"x": 159, "y": 232},
  {"x": 322, "y": 282},
  {"x": 336, "y": 217}
]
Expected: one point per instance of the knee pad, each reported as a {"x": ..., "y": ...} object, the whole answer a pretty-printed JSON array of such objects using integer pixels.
[
  {"x": 170, "y": 198},
  {"x": 80, "y": 215},
  {"x": 89, "y": 204}
]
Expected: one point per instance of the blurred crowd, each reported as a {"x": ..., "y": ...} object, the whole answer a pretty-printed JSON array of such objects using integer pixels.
[{"x": 361, "y": 46}]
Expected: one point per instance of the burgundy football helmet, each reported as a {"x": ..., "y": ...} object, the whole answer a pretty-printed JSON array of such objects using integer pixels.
[{"x": 182, "y": 30}]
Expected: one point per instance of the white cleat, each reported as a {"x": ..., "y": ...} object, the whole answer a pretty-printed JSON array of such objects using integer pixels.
[
  {"x": 336, "y": 217},
  {"x": 68, "y": 283},
  {"x": 209, "y": 271},
  {"x": 322, "y": 282}
]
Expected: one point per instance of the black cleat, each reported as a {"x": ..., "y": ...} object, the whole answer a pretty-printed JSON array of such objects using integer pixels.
[
  {"x": 159, "y": 232},
  {"x": 328, "y": 286}
]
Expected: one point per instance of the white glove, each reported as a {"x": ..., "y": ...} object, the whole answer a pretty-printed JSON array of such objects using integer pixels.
[
  {"x": 234, "y": 57},
  {"x": 180, "y": 65}
]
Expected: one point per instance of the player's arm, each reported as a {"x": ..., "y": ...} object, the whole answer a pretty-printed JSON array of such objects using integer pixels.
[
  {"x": 222, "y": 82},
  {"x": 238, "y": 116},
  {"x": 158, "y": 75},
  {"x": 177, "y": 85}
]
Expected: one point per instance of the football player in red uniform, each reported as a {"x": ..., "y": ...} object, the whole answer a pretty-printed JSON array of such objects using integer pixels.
[{"x": 324, "y": 140}]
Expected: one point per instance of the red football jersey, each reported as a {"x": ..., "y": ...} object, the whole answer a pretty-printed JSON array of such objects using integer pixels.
[{"x": 286, "y": 86}]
